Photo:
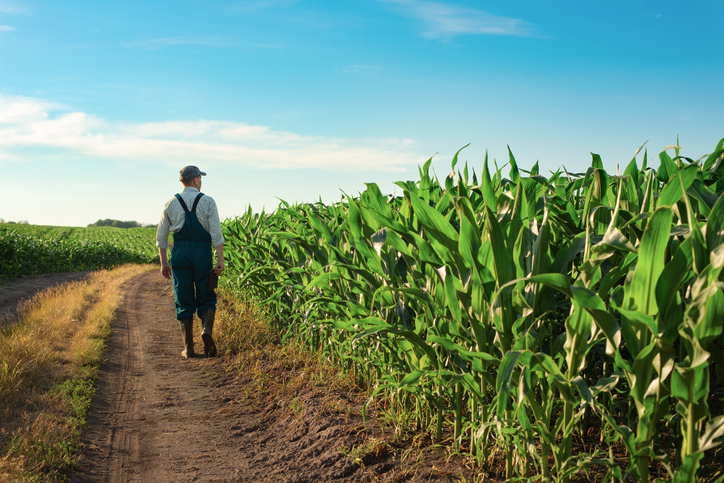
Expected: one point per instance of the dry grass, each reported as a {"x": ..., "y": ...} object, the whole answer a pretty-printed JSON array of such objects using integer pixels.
[
  {"x": 48, "y": 361},
  {"x": 287, "y": 380},
  {"x": 274, "y": 369}
]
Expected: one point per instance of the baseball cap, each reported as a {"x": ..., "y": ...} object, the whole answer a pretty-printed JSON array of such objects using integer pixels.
[{"x": 190, "y": 172}]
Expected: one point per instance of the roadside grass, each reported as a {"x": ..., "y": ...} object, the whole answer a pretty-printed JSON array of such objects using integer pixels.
[
  {"x": 282, "y": 375},
  {"x": 278, "y": 369},
  {"x": 49, "y": 360}
]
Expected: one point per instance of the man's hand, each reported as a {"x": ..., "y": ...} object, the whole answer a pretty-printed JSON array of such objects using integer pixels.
[
  {"x": 166, "y": 271},
  {"x": 219, "y": 259},
  {"x": 219, "y": 267},
  {"x": 165, "y": 267}
]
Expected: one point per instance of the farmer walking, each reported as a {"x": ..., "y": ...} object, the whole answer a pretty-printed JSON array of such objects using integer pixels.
[{"x": 194, "y": 221}]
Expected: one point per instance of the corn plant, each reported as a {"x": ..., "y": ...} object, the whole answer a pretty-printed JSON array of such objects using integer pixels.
[{"x": 514, "y": 313}]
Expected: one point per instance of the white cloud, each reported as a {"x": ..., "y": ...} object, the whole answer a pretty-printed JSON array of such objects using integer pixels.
[
  {"x": 6, "y": 28},
  {"x": 28, "y": 124},
  {"x": 23, "y": 109},
  {"x": 445, "y": 20}
]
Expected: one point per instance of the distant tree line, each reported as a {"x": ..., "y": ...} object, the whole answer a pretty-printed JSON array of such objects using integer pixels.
[
  {"x": 21, "y": 222},
  {"x": 119, "y": 224}
]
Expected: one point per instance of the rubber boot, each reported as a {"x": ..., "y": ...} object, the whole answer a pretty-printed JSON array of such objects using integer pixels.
[
  {"x": 187, "y": 334},
  {"x": 207, "y": 325}
]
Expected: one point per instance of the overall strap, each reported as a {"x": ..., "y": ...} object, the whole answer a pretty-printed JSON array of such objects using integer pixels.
[
  {"x": 196, "y": 201},
  {"x": 183, "y": 205}
]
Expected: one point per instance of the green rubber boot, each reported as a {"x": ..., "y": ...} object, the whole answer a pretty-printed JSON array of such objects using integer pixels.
[
  {"x": 207, "y": 325},
  {"x": 187, "y": 334}
]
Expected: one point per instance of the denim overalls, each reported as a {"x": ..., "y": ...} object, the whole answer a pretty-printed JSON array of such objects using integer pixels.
[{"x": 191, "y": 264}]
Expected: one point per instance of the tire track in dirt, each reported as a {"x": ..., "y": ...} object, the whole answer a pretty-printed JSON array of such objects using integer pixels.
[{"x": 123, "y": 447}]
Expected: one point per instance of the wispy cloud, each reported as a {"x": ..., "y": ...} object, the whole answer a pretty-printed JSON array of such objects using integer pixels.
[
  {"x": 259, "y": 5},
  {"x": 208, "y": 41},
  {"x": 444, "y": 20},
  {"x": 7, "y": 8},
  {"x": 357, "y": 68},
  {"x": 28, "y": 123}
]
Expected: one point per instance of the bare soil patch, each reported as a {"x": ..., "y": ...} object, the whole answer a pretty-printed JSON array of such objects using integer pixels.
[
  {"x": 159, "y": 417},
  {"x": 13, "y": 291}
]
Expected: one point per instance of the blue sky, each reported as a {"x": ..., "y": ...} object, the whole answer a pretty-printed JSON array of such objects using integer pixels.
[{"x": 101, "y": 103}]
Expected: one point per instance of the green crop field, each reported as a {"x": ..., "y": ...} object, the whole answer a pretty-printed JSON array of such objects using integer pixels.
[
  {"x": 566, "y": 325},
  {"x": 34, "y": 249}
]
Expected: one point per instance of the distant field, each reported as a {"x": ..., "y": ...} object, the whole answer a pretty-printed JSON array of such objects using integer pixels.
[{"x": 34, "y": 249}]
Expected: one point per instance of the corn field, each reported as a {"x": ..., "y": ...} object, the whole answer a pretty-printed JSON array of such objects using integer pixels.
[
  {"x": 36, "y": 249},
  {"x": 519, "y": 314}
]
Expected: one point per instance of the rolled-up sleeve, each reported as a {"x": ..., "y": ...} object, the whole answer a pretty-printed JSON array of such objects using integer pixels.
[{"x": 217, "y": 238}]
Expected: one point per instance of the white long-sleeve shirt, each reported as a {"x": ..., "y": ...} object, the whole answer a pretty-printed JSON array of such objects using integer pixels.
[{"x": 173, "y": 217}]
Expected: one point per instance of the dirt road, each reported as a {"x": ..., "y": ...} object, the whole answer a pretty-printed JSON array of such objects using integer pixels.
[{"x": 157, "y": 417}]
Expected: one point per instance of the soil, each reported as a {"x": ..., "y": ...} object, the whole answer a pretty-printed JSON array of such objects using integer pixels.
[
  {"x": 157, "y": 417},
  {"x": 13, "y": 291}
]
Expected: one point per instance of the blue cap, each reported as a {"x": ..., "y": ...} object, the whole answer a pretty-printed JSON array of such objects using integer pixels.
[{"x": 190, "y": 172}]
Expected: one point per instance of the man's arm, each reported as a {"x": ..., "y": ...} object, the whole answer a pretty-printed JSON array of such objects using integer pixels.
[
  {"x": 165, "y": 267},
  {"x": 219, "y": 259},
  {"x": 164, "y": 227}
]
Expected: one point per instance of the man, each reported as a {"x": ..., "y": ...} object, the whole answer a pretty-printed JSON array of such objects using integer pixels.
[{"x": 194, "y": 220}]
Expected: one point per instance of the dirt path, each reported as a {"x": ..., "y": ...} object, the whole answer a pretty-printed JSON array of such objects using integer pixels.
[
  {"x": 158, "y": 417},
  {"x": 13, "y": 291},
  {"x": 155, "y": 416}
]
